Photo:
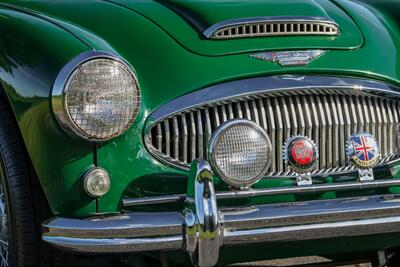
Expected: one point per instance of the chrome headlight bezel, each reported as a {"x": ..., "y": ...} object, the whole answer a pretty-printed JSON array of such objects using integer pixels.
[
  {"x": 59, "y": 101},
  {"x": 212, "y": 153}
]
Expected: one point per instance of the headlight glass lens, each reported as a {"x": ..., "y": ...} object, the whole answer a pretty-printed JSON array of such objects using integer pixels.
[
  {"x": 240, "y": 152},
  {"x": 101, "y": 98}
]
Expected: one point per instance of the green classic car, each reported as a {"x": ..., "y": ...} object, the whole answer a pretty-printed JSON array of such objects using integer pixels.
[{"x": 213, "y": 132}]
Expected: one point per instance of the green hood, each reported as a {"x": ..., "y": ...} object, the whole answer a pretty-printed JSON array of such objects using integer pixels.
[{"x": 185, "y": 21}]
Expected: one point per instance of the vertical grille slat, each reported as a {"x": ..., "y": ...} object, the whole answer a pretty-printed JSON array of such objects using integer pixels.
[
  {"x": 159, "y": 137},
  {"x": 371, "y": 112},
  {"x": 272, "y": 131},
  {"x": 326, "y": 116},
  {"x": 353, "y": 115},
  {"x": 378, "y": 128},
  {"x": 184, "y": 140},
  {"x": 216, "y": 120},
  {"x": 323, "y": 133},
  {"x": 301, "y": 116},
  {"x": 230, "y": 111},
  {"x": 366, "y": 114},
  {"x": 286, "y": 124},
  {"x": 208, "y": 130},
  {"x": 329, "y": 145},
  {"x": 175, "y": 137},
  {"x": 193, "y": 137},
  {"x": 247, "y": 111},
  {"x": 348, "y": 122},
  {"x": 293, "y": 117},
  {"x": 254, "y": 111},
  {"x": 384, "y": 137},
  {"x": 341, "y": 130},
  {"x": 263, "y": 114},
  {"x": 360, "y": 115},
  {"x": 307, "y": 118},
  {"x": 200, "y": 136},
  {"x": 390, "y": 127},
  {"x": 279, "y": 135},
  {"x": 239, "y": 110},
  {"x": 224, "y": 115},
  {"x": 316, "y": 126},
  {"x": 395, "y": 126},
  {"x": 335, "y": 132},
  {"x": 167, "y": 138}
]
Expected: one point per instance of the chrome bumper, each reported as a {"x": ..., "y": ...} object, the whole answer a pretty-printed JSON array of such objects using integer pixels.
[{"x": 202, "y": 228}]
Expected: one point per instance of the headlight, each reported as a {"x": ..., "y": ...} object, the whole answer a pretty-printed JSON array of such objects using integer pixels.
[
  {"x": 240, "y": 152},
  {"x": 96, "y": 96}
]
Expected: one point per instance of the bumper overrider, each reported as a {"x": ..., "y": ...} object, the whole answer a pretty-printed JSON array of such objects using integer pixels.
[{"x": 201, "y": 229}]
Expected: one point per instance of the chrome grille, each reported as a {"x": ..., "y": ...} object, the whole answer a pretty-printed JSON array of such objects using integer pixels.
[
  {"x": 329, "y": 117},
  {"x": 273, "y": 26}
]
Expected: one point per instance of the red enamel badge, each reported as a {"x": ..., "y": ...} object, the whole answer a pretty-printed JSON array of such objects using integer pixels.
[{"x": 302, "y": 152}]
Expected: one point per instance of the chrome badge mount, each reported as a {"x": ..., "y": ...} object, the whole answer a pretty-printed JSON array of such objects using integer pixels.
[
  {"x": 363, "y": 152},
  {"x": 301, "y": 154},
  {"x": 289, "y": 58}
]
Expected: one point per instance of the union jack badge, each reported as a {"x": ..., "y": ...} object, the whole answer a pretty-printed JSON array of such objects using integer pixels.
[{"x": 363, "y": 152}]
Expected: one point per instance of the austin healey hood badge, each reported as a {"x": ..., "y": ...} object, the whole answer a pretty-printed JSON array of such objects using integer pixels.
[
  {"x": 363, "y": 152},
  {"x": 301, "y": 154},
  {"x": 289, "y": 58}
]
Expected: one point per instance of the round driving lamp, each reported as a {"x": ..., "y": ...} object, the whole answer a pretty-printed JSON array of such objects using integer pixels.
[
  {"x": 240, "y": 152},
  {"x": 96, "y": 96},
  {"x": 96, "y": 182}
]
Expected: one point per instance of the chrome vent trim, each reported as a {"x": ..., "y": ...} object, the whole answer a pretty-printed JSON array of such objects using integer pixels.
[
  {"x": 328, "y": 113},
  {"x": 272, "y": 26}
]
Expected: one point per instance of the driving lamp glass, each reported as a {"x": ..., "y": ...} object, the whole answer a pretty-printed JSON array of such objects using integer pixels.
[{"x": 240, "y": 152}]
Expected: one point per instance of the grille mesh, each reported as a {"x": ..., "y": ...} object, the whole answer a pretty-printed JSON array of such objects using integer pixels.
[
  {"x": 328, "y": 118},
  {"x": 276, "y": 28}
]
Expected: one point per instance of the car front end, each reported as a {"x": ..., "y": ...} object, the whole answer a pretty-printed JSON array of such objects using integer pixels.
[{"x": 220, "y": 132}]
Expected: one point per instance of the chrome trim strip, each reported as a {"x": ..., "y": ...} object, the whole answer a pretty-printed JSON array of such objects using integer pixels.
[
  {"x": 248, "y": 89},
  {"x": 130, "y": 202},
  {"x": 311, "y": 212},
  {"x": 306, "y": 220},
  {"x": 315, "y": 188},
  {"x": 314, "y": 231},
  {"x": 120, "y": 245},
  {"x": 224, "y": 92},
  {"x": 213, "y": 29},
  {"x": 308, "y": 189},
  {"x": 123, "y": 226}
]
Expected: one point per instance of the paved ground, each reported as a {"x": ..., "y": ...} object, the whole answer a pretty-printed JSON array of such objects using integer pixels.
[
  {"x": 296, "y": 261},
  {"x": 110, "y": 262}
]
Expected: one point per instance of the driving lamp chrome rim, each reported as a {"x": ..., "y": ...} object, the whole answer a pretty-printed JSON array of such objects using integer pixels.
[
  {"x": 212, "y": 152},
  {"x": 58, "y": 101}
]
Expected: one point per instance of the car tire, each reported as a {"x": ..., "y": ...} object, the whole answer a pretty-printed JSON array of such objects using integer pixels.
[{"x": 22, "y": 204}]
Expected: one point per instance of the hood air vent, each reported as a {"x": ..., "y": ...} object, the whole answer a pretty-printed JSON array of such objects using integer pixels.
[{"x": 272, "y": 26}]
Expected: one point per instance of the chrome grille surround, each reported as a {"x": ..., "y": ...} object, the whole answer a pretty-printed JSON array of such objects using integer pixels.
[
  {"x": 179, "y": 131},
  {"x": 272, "y": 26}
]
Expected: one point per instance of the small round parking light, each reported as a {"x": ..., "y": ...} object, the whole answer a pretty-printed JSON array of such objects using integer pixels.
[
  {"x": 240, "y": 152},
  {"x": 96, "y": 182}
]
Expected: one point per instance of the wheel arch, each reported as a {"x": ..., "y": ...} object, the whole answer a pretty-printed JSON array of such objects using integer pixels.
[{"x": 32, "y": 52}]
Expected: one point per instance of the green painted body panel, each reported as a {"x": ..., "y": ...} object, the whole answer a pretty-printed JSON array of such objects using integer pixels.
[
  {"x": 203, "y": 14},
  {"x": 170, "y": 59}
]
